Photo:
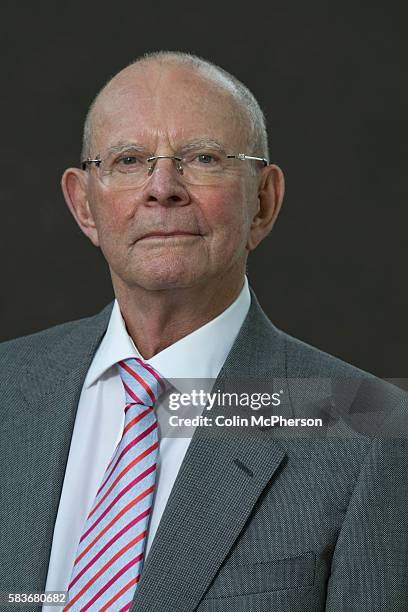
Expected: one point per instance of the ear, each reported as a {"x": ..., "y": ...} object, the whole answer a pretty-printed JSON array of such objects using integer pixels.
[
  {"x": 74, "y": 184},
  {"x": 270, "y": 196}
]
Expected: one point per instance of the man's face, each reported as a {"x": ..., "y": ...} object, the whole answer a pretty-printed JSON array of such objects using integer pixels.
[{"x": 206, "y": 226}]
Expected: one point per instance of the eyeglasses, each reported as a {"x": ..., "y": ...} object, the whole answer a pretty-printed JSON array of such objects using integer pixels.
[{"x": 130, "y": 168}]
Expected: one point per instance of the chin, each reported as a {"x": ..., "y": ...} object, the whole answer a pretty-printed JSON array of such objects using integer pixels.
[{"x": 159, "y": 276}]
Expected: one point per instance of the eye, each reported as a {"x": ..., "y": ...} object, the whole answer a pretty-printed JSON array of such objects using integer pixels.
[
  {"x": 206, "y": 158},
  {"x": 128, "y": 160}
]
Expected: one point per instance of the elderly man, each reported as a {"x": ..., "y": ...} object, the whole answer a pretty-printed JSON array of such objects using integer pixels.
[{"x": 100, "y": 498}]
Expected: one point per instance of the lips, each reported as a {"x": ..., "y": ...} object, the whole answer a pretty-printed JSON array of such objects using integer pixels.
[{"x": 172, "y": 234}]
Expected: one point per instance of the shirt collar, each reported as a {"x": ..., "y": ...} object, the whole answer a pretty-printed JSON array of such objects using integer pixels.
[{"x": 199, "y": 355}]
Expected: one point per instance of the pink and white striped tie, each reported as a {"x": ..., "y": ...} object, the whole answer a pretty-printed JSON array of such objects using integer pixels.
[{"x": 110, "y": 553}]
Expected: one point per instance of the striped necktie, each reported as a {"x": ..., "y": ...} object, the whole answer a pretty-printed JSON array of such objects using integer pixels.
[{"x": 110, "y": 553}]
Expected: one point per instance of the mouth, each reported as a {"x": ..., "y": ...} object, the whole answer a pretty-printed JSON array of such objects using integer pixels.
[{"x": 168, "y": 235}]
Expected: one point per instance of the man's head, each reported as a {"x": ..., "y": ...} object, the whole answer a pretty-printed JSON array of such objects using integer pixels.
[{"x": 168, "y": 232}]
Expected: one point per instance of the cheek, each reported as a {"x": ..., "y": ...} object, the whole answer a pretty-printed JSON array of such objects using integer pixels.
[
  {"x": 111, "y": 214},
  {"x": 226, "y": 212}
]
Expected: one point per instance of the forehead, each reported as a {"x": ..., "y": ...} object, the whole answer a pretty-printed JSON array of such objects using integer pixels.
[{"x": 172, "y": 104}]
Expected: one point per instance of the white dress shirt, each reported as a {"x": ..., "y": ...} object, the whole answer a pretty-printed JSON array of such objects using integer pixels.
[{"x": 100, "y": 418}]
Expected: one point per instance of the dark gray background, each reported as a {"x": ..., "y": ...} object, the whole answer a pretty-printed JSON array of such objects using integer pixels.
[{"x": 332, "y": 80}]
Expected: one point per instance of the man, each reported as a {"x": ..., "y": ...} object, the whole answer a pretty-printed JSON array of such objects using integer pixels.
[{"x": 176, "y": 190}]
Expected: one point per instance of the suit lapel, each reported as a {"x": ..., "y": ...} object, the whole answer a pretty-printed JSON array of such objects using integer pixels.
[
  {"x": 215, "y": 491},
  {"x": 217, "y": 486},
  {"x": 39, "y": 444}
]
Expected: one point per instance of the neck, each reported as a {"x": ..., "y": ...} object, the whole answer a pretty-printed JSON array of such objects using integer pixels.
[{"x": 157, "y": 319}]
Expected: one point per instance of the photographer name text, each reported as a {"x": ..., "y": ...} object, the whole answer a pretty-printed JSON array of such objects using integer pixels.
[{"x": 255, "y": 420}]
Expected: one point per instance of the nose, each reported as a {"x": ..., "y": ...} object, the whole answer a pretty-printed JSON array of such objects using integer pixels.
[{"x": 165, "y": 185}]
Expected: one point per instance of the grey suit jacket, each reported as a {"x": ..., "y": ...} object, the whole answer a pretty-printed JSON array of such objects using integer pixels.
[{"x": 299, "y": 521}]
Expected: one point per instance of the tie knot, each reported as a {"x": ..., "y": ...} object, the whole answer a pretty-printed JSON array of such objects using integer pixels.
[{"x": 143, "y": 385}]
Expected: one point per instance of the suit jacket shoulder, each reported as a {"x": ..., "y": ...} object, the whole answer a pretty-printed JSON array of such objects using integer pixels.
[
  {"x": 46, "y": 339},
  {"x": 37, "y": 362}
]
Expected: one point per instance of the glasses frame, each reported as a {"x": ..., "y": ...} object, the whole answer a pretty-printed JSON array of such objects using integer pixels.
[{"x": 178, "y": 161}]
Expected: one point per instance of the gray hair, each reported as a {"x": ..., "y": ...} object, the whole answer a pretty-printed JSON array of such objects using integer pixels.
[{"x": 257, "y": 137}]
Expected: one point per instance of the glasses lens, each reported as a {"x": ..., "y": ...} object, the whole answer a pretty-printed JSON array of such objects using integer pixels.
[
  {"x": 206, "y": 166},
  {"x": 125, "y": 169}
]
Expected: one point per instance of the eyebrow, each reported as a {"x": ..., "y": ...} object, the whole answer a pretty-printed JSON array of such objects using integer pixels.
[
  {"x": 203, "y": 143},
  {"x": 123, "y": 146},
  {"x": 189, "y": 146}
]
